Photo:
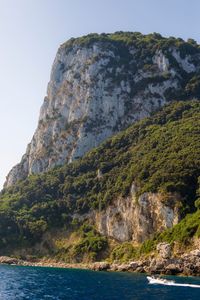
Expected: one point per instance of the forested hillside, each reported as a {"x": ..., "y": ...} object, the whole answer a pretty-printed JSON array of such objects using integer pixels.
[{"x": 159, "y": 154}]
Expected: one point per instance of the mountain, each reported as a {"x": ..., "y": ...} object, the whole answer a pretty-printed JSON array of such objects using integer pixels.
[
  {"x": 130, "y": 189},
  {"x": 101, "y": 84}
]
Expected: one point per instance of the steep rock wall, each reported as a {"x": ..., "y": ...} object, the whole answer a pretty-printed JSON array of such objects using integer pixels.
[
  {"x": 136, "y": 219},
  {"x": 95, "y": 91}
]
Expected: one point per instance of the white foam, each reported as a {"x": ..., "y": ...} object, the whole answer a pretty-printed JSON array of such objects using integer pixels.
[{"x": 170, "y": 282}]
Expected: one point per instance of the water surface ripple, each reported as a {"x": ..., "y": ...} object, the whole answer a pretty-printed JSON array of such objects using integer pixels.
[{"x": 51, "y": 283}]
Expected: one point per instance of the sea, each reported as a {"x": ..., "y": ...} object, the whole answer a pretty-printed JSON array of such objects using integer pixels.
[{"x": 53, "y": 283}]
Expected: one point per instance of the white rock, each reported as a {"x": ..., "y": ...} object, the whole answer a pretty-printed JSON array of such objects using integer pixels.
[
  {"x": 136, "y": 219},
  {"x": 184, "y": 63},
  {"x": 161, "y": 60}
]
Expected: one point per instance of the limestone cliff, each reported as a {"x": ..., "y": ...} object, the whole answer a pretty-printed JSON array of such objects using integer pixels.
[
  {"x": 98, "y": 88},
  {"x": 135, "y": 218},
  {"x": 127, "y": 220}
]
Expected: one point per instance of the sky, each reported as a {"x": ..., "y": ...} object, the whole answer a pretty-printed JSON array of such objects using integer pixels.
[{"x": 30, "y": 34}]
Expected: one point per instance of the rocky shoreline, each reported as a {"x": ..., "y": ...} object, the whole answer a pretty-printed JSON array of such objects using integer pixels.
[
  {"x": 162, "y": 262},
  {"x": 188, "y": 265}
]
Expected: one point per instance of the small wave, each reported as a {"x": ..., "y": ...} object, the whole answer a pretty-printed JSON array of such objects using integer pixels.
[
  {"x": 185, "y": 284},
  {"x": 171, "y": 283}
]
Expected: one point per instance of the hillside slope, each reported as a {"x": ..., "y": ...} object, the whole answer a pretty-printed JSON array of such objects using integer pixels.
[{"x": 137, "y": 183}]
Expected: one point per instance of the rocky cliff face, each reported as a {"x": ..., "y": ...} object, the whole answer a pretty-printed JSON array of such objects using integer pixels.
[
  {"x": 136, "y": 219},
  {"x": 97, "y": 89}
]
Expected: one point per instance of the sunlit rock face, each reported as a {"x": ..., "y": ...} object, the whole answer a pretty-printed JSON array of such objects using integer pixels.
[
  {"x": 137, "y": 218},
  {"x": 95, "y": 90}
]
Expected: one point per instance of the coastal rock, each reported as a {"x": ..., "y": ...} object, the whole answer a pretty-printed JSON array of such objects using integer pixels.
[
  {"x": 173, "y": 266},
  {"x": 123, "y": 268},
  {"x": 133, "y": 265},
  {"x": 164, "y": 250},
  {"x": 140, "y": 270},
  {"x": 173, "y": 269},
  {"x": 100, "y": 266},
  {"x": 157, "y": 265},
  {"x": 114, "y": 267},
  {"x": 8, "y": 260}
]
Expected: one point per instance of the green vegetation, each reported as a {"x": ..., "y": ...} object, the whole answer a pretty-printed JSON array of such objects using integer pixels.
[
  {"x": 149, "y": 42},
  {"x": 92, "y": 243},
  {"x": 193, "y": 86},
  {"x": 135, "y": 51},
  {"x": 160, "y": 154},
  {"x": 123, "y": 252},
  {"x": 90, "y": 246},
  {"x": 182, "y": 233}
]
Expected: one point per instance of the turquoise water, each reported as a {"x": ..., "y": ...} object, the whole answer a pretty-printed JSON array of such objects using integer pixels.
[{"x": 51, "y": 283}]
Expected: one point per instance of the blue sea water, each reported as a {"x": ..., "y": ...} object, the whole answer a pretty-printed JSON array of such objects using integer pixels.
[{"x": 53, "y": 283}]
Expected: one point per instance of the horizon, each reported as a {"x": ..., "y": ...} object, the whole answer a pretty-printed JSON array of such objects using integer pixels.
[{"x": 31, "y": 34}]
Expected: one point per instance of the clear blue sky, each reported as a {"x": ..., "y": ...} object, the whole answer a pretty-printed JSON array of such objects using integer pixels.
[{"x": 32, "y": 30}]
